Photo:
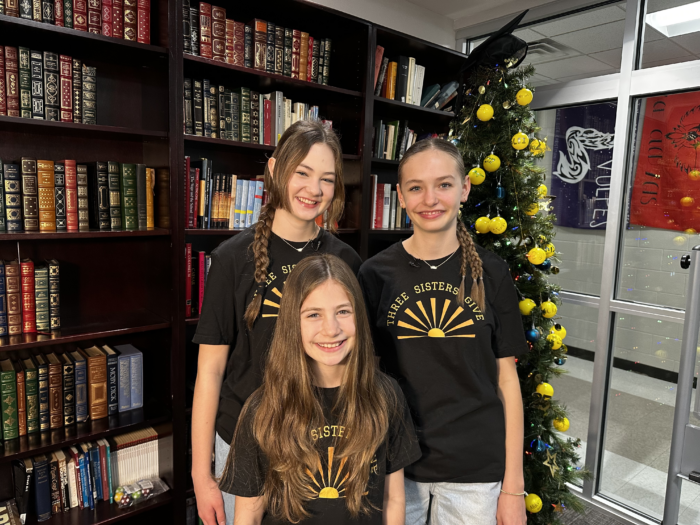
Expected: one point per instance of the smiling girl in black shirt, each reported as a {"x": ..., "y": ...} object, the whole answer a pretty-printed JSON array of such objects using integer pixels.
[{"x": 451, "y": 352}]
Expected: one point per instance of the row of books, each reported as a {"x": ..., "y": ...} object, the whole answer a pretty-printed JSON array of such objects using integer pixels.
[
  {"x": 30, "y": 299},
  {"x": 220, "y": 201},
  {"x": 260, "y": 45},
  {"x": 392, "y": 139},
  {"x": 127, "y": 19},
  {"x": 197, "y": 265},
  {"x": 84, "y": 474},
  {"x": 46, "y": 86},
  {"x": 48, "y": 196},
  {"x": 241, "y": 114},
  {"x": 387, "y": 214},
  {"x": 43, "y": 392}
]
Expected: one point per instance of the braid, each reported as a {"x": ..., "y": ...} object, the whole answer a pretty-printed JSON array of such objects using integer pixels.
[
  {"x": 471, "y": 258},
  {"x": 263, "y": 228}
]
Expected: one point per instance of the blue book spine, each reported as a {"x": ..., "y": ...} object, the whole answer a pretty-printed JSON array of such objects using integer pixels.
[
  {"x": 84, "y": 481},
  {"x": 112, "y": 385},
  {"x": 251, "y": 204},
  {"x": 2, "y": 200},
  {"x": 88, "y": 478},
  {"x": 44, "y": 411},
  {"x": 3, "y": 297},
  {"x": 96, "y": 472},
  {"x": 124, "y": 383},
  {"x": 136, "y": 380},
  {"x": 42, "y": 489},
  {"x": 109, "y": 471},
  {"x": 259, "y": 187},
  {"x": 237, "y": 206},
  {"x": 13, "y": 198},
  {"x": 244, "y": 203},
  {"x": 81, "y": 398}
]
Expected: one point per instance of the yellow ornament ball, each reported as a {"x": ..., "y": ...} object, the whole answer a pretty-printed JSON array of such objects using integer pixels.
[
  {"x": 561, "y": 332},
  {"x": 492, "y": 163},
  {"x": 526, "y": 306},
  {"x": 694, "y": 175},
  {"x": 679, "y": 240},
  {"x": 690, "y": 231},
  {"x": 485, "y": 112},
  {"x": 562, "y": 425},
  {"x": 476, "y": 176},
  {"x": 532, "y": 210},
  {"x": 545, "y": 390},
  {"x": 536, "y": 255},
  {"x": 542, "y": 191},
  {"x": 520, "y": 140},
  {"x": 498, "y": 225},
  {"x": 549, "y": 309},
  {"x": 537, "y": 147},
  {"x": 533, "y": 503},
  {"x": 687, "y": 201},
  {"x": 549, "y": 250},
  {"x": 524, "y": 97},
  {"x": 482, "y": 225},
  {"x": 555, "y": 340}
]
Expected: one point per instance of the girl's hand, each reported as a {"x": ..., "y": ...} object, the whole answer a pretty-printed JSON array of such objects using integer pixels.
[
  {"x": 210, "y": 502},
  {"x": 511, "y": 510}
]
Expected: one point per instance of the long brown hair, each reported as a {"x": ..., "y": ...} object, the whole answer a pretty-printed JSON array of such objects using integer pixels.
[
  {"x": 470, "y": 257},
  {"x": 292, "y": 149},
  {"x": 287, "y": 407}
]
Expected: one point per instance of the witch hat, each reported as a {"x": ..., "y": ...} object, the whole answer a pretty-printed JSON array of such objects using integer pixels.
[{"x": 500, "y": 48}]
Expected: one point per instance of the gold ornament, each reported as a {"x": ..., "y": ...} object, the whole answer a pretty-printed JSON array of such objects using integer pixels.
[
  {"x": 542, "y": 191},
  {"x": 690, "y": 231},
  {"x": 532, "y": 210},
  {"x": 537, "y": 147},
  {"x": 526, "y": 306},
  {"x": 520, "y": 140},
  {"x": 549, "y": 309},
  {"x": 506, "y": 104},
  {"x": 555, "y": 340},
  {"x": 533, "y": 503},
  {"x": 492, "y": 163},
  {"x": 549, "y": 250},
  {"x": 498, "y": 225},
  {"x": 476, "y": 176},
  {"x": 485, "y": 112},
  {"x": 687, "y": 201},
  {"x": 561, "y": 332},
  {"x": 545, "y": 390},
  {"x": 482, "y": 225},
  {"x": 482, "y": 89},
  {"x": 680, "y": 240},
  {"x": 524, "y": 97},
  {"x": 536, "y": 255},
  {"x": 694, "y": 175},
  {"x": 551, "y": 462}
]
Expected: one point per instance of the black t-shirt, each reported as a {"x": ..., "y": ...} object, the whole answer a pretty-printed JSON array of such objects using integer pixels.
[
  {"x": 229, "y": 289},
  {"x": 444, "y": 357},
  {"x": 328, "y": 506}
]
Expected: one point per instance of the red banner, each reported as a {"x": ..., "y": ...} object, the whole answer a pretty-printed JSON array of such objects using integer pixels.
[{"x": 666, "y": 190}]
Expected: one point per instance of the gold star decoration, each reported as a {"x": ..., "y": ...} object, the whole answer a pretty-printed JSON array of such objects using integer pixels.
[{"x": 553, "y": 467}]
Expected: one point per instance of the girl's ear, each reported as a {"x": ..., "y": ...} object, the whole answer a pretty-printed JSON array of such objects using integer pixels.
[
  {"x": 466, "y": 188},
  {"x": 271, "y": 166},
  {"x": 400, "y": 195}
]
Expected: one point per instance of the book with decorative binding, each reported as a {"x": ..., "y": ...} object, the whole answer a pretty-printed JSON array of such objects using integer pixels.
[
  {"x": 3, "y": 301},
  {"x": 296, "y": 52},
  {"x": 206, "y": 107},
  {"x": 255, "y": 117},
  {"x": 3, "y": 223},
  {"x": 28, "y": 297},
  {"x": 326, "y": 60},
  {"x": 141, "y": 211},
  {"x": 279, "y": 50},
  {"x": 12, "y": 8},
  {"x": 97, "y": 382},
  {"x": 118, "y": 18},
  {"x": 63, "y": 480},
  {"x": 198, "y": 107},
  {"x": 89, "y": 88},
  {"x": 186, "y": 28},
  {"x": 194, "y": 29},
  {"x": 66, "y": 87},
  {"x": 59, "y": 171},
  {"x": 239, "y": 44},
  {"x": 68, "y": 13},
  {"x": 248, "y": 48},
  {"x": 235, "y": 115},
  {"x": 13, "y": 282},
  {"x": 68, "y": 389},
  {"x": 31, "y": 388},
  {"x": 260, "y": 43},
  {"x": 88, "y": 473},
  {"x": 112, "y": 379},
  {"x": 59, "y": 12},
  {"x": 205, "y": 44},
  {"x": 73, "y": 483},
  {"x": 8, "y": 391},
  {"x": 127, "y": 187},
  {"x": 42, "y": 488},
  {"x": 143, "y": 23},
  {"x": 81, "y": 388},
  {"x": 245, "y": 114},
  {"x": 94, "y": 16},
  {"x": 135, "y": 358},
  {"x": 221, "y": 107},
  {"x": 54, "y": 294},
  {"x": 98, "y": 199},
  {"x": 13, "y": 197},
  {"x": 115, "y": 214},
  {"x": 22, "y": 472},
  {"x": 12, "y": 81},
  {"x": 96, "y": 471},
  {"x": 228, "y": 56},
  {"x": 41, "y": 299},
  {"x": 150, "y": 205},
  {"x": 30, "y": 197},
  {"x": 21, "y": 398},
  {"x": 25, "y": 10},
  {"x": 77, "y": 91},
  {"x": 270, "y": 48},
  {"x": 131, "y": 20},
  {"x": 55, "y": 391},
  {"x": 71, "y": 195},
  {"x": 51, "y": 86},
  {"x": 25, "y": 82},
  {"x": 163, "y": 197},
  {"x": 54, "y": 484},
  {"x": 47, "y": 12},
  {"x": 42, "y": 368},
  {"x": 3, "y": 90},
  {"x": 36, "y": 10},
  {"x": 214, "y": 110},
  {"x": 80, "y": 15},
  {"x": 218, "y": 33},
  {"x": 189, "y": 122},
  {"x": 315, "y": 49},
  {"x": 47, "y": 195},
  {"x": 303, "y": 54},
  {"x": 82, "y": 187}
]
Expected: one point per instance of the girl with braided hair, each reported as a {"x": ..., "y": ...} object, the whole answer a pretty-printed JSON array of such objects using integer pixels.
[
  {"x": 452, "y": 352},
  {"x": 304, "y": 179}
]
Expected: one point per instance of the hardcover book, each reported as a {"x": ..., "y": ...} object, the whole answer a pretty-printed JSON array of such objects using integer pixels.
[
  {"x": 89, "y": 89},
  {"x": 186, "y": 28},
  {"x": 315, "y": 49},
  {"x": 42, "y": 488},
  {"x": 143, "y": 24},
  {"x": 68, "y": 389},
  {"x": 96, "y": 471},
  {"x": 54, "y": 294},
  {"x": 163, "y": 191},
  {"x": 326, "y": 60},
  {"x": 106, "y": 17},
  {"x": 13, "y": 198},
  {"x": 21, "y": 398},
  {"x": 59, "y": 12},
  {"x": 31, "y": 387},
  {"x": 3, "y": 224},
  {"x": 127, "y": 183},
  {"x": 131, "y": 20},
  {"x": 239, "y": 44},
  {"x": 77, "y": 91},
  {"x": 13, "y": 281},
  {"x": 25, "y": 10},
  {"x": 8, "y": 391},
  {"x": 12, "y": 8},
  {"x": 22, "y": 472},
  {"x": 62, "y": 480},
  {"x": 80, "y": 15},
  {"x": 141, "y": 188},
  {"x": 41, "y": 298},
  {"x": 51, "y": 86},
  {"x": 214, "y": 111},
  {"x": 206, "y": 109},
  {"x": 28, "y": 297},
  {"x": 98, "y": 200},
  {"x": 82, "y": 187},
  {"x": 12, "y": 81},
  {"x": 36, "y": 10},
  {"x": 218, "y": 33},
  {"x": 189, "y": 123},
  {"x": 47, "y": 12},
  {"x": 118, "y": 18},
  {"x": 3, "y": 90},
  {"x": 194, "y": 29},
  {"x": 259, "y": 37},
  {"x": 66, "y": 80},
  {"x": 296, "y": 52},
  {"x": 245, "y": 114},
  {"x": 205, "y": 43},
  {"x": 71, "y": 195},
  {"x": 270, "y": 48},
  {"x": 198, "y": 107},
  {"x": 3, "y": 301},
  {"x": 25, "y": 81},
  {"x": 303, "y": 55},
  {"x": 30, "y": 197},
  {"x": 135, "y": 376},
  {"x": 81, "y": 388},
  {"x": 43, "y": 374},
  {"x": 112, "y": 380},
  {"x": 230, "y": 28},
  {"x": 235, "y": 115},
  {"x": 150, "y": 184},
  {"x": 59, "y": 170},
  {"x": 54, "y": 481},
  {"x": 221, "y": 108},
  {"x": 55, "y": 391},
  {"x": 68, "y": 13},
  {"x": 279, "y": 50},
  {"x": 97, "y": 382},
  {"x": 248, "y": 46},
  {"x": 255, "y": 117},
  {"x": 47, "y": 195},
  {"x": 94, "y": 16},
  {"x": 115, "y": 214}
]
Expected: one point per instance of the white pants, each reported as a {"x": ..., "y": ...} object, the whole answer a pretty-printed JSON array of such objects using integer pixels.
[
  {"x": 451, "y": 503},
  {"x": 221, "y": 449}
]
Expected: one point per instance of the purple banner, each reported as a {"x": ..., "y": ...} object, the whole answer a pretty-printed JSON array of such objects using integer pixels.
[{"x": 582, "y": 152}]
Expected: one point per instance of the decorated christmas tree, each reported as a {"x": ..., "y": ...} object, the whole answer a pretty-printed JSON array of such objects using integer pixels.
[{"x": 499, "y": 139}]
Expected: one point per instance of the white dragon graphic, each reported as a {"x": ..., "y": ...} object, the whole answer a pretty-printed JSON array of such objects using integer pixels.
[{"x": 578, "y": 141}]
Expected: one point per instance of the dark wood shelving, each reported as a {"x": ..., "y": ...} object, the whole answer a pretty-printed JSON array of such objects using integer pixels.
[
  {"x": 105, "y": 512},
  {"x": 29, "y": 125},
  {"x": 201, "y": 231},
  {"x": 375, "y": 160},
  {"x": 396, "y": 231},
  {"x": 381, "y": 101},
  {"x": 92, "y": 234},
  {"x": 244, "y": 145},
  {"x": 40, "y": 443},
  {"x": 192, "y": 320},
  {"x": 130, "y": 322}
]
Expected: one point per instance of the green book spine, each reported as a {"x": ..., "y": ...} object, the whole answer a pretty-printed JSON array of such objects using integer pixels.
[
  {"x": 245, "y": 115},
  {"x": 68, "y": 13},
  {"x": 115, "y": 204},
  {"x": 127, "y": 185},
  {"x": 235, "y": 116},
  {"x": 31, "y": 386},
  {"x": 8, "y": 390},
  {"x": 25, "y": 82}
]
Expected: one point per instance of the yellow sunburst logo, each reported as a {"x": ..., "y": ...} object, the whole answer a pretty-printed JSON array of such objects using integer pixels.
[
  {"x": 432, "y": 327},
  {"x": 331, "y": 489},
  {"x": 273, "y": 304}
]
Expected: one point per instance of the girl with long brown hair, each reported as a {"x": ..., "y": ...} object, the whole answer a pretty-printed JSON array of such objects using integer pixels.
[
  {"x": 327, "y": 435},
  {"x": 304, "y": 178},
  {"x": 446, "y": 324}
]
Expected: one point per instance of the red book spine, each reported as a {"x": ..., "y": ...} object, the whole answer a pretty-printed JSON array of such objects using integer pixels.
[
  {"x": 229, "y": 41},
  {"x": 205, "y": 49},
  {"x": 239, "y": 44},
  {"x": 80, "y": 18},
  {"x": 66, "y": 72},
  {"x": 379, "y": 207},
  {"x": 218, "y": 33},
  {"x": 94, "y": 17},
  {"x": 71, "y": 195},
  {"x": 311, "y": 52},
  {"x": 267, "y": 122},
  {"x": 106, "y": 17},
  {"x": 12, "y": 81},
  {"x": 200, "y": 274},
  {"x": 296, "y": 52},
  {"x": 196, "y": 198},
  {"x": 143, "y": 27},
  {"x": 118, "y": 18},
  {"x": 58, "y": 12},
  {"x": 187, "y": 192},
  {"x": 188, "y": 282},
  {"x": 3, "y": 101},
  {"x": 103, "y": 471},
  {"x": 28, "y": 299}
]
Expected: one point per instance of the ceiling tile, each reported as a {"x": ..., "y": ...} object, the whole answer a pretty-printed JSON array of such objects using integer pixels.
[
  {"x": 580, "y": 65},
  {"x": 658, "y": 5},
  {"x": 528, "y": 34},
  {"x": 612, "y": 57},
  {"x": 580, "y": 21},
  {"x": 652, "y": 35},
  {"x": 586, "y": 75},
  {"x": 662, "y": 50},
  {"x": 691, "y": 42},
  {"x": 594, "y": 39}
]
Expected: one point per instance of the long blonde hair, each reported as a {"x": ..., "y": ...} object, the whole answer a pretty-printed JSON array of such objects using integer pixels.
[
  {"x": 287, "y": 407},
  {"x": 292, "y": 149},
  {"x": 470, "y": 257}
]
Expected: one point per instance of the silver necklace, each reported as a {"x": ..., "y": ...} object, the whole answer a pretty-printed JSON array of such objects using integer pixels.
[
  {"x": 307, "y": 242},
  {"x": 443, "y": 262}
]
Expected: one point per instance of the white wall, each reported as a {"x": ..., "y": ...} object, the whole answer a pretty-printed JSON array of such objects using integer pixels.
[{"x": 400, "y": 15}]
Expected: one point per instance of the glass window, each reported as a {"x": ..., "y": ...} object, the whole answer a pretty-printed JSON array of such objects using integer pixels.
[
  {"x": 671, "y": 32},
  {"x": 663, "y": 200},
  {"x": 580, "y": 141}
]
